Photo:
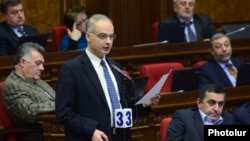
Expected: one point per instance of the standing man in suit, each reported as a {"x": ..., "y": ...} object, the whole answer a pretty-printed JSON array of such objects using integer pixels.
[
  {"x": 200, "y": 25},
  {"x": 83, "y": 102},
  {"x": 188, "y": 124},
  {"x": 25, "y": 95},
  {"x": 216, "y": 71},
  {"x": 12, "y": 26}
]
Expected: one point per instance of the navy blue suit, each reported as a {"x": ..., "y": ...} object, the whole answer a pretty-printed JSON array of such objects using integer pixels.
[
  {"x": 81, "y": 105},
  {"x": 203, "y": 25},
  {"x": 242, "y": 114},
  {"x": 212, "y": 73},
  {"x": 9, "y": 39},
  {"x": 187, "y": 125}
]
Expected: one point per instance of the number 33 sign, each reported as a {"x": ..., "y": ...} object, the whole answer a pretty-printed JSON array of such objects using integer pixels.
[{"x": 123, "y": 118}]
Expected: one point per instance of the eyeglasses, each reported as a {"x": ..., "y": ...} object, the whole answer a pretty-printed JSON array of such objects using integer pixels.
[
  {"x": 83, "y": 21},
  {"x": 104, "y": 36}
]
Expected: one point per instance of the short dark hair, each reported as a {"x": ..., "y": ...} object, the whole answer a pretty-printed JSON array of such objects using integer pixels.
[
  {"x": 25, "y": 50},
  {"x": 211, "y": 88},
  {"x": 70, "y": 15},
  {"x": 5, "y": 4}
]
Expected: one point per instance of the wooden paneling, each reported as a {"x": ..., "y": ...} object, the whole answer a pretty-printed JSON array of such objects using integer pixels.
[{"x": 132, "y": 18}]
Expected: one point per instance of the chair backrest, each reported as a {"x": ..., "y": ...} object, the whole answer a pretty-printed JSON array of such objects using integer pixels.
[
  {"x": 198, "y": 64},
  {"x": 164, "y": 127},
  {"x": 57, "y": 34},
  {"x": 155, "y": 31},
  {"x": 155, "y": 72},
  {"x": 6, "y": 122}
]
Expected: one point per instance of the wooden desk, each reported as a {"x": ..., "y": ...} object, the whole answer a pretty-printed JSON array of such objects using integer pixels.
[
  {"x": 131, "y": 58},
  {"x": 147, "y": 128}
]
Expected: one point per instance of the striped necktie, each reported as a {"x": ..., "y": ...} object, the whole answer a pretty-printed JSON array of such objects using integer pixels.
[
  {"x": 232, "y": 70},
  {"x": 191, "y": 35},
  {"x": 111, "y": 88}
]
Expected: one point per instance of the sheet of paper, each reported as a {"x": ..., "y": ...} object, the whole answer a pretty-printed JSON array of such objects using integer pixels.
[{"x": 155, "y": 90}]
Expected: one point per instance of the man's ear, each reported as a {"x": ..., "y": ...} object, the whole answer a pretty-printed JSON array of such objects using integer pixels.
[{"x": 198, "y": 102}]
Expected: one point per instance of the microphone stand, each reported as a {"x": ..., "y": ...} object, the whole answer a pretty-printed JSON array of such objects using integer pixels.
[{"x": 134, "y": 92}]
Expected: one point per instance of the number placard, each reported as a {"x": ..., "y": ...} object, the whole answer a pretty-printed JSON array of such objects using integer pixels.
[{"x": 123, "y": 118}]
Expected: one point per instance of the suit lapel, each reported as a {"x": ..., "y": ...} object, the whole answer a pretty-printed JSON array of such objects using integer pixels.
[
  {"x": 198, "y": 124},
  {"x": 92, "y": 76},
  {"x": 10, "y": 32},
  {"x": 221, "y": 74}
]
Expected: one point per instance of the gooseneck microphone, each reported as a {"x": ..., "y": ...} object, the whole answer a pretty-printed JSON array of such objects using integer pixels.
[
  {"x": 236, "y": 31},
  {"x": 134, "y": 91}
]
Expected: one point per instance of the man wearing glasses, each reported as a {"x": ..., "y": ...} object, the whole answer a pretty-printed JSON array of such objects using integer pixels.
[{"x": 85, "y": 101}]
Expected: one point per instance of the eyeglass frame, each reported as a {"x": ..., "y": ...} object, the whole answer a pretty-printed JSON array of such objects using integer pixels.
[{"x": 105, "y": 36}]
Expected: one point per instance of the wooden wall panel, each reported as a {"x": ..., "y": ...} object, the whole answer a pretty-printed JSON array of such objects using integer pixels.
[
  {"x": 225, "y": 11},
  {"x": 44, "y": 15},
  {"x": 132, "y": 18}
]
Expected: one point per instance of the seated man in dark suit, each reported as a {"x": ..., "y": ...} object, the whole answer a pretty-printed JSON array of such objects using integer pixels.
[
  {"x": 217, "y": 71},
  {"x": 242, "y": 114},
  {"x": 187, "y": 124},
  {"x": 12, "y": 26},
  {"x": 198, "y": 27}
]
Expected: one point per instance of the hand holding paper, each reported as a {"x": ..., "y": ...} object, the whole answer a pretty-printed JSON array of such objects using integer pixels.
[{"x": 155, "y": 90}]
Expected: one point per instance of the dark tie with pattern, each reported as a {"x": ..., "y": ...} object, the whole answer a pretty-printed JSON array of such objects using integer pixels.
[
  {"x": 232, "y": 70},
  {"x": 21, "y": 31},
  {"x": 191, "y": 35},
  {"x": 111, "y": 88}
]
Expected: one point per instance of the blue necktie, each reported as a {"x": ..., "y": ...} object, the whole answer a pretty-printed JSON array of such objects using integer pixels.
[
  {"x": 21, "y": 31},
  {"x": 111, "y": 88},
  {"x": 191, "y": 35}
]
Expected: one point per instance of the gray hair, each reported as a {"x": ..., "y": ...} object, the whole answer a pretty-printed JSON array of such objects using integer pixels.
[
  {"x": 217, "y": 36},
  {"x": 24, "y": 51},
  {"x": 90, "y": 27}
]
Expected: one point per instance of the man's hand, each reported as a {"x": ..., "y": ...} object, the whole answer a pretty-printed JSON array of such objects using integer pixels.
[
  {"x": 99, "y": 136},
  {"x": 154, "y": 101}
]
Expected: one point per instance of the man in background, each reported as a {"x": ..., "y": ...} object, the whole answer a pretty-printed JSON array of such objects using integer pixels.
[
  {"x": 197, "y": 27},
  {"x": 218, "y": 70},
  {"x": 12, "y": 27}
]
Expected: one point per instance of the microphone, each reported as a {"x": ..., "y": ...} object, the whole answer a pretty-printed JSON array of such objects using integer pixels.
[
  {"x": 150, "y": 44},
  {"x": 134, "y": 91},
  {"x": 237, "y": 30},
  {"x": 121, "y": 72}
]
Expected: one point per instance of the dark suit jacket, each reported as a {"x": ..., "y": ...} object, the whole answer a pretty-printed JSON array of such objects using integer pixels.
[
  {"x": 242, "y": 114},
  {"x": 212, "y": 73},
  {"x": 187, "y": 125},
  {"x": 203, "y": 25},
  {"x": 81, "y": 105},
  {"x": 9, "y": 39}
]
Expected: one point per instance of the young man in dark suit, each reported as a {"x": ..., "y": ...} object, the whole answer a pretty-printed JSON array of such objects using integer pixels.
[
  {"x": 216, "y": 71},
  {"x": 201, "y": 25},
  {"x": 188, "y": 124},
  {"x": 12, "y": 26}
]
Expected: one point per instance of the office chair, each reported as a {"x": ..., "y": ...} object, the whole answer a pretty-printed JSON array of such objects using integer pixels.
[
  {"x": 198, "y": 64},
  {"x": 155, "y": 72},
  {"x": 164, "y": 127},
  {"x": 57, "y": 34},
  {"x": 155, "y": 31},
  {"x": 8, "y": 130}
]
